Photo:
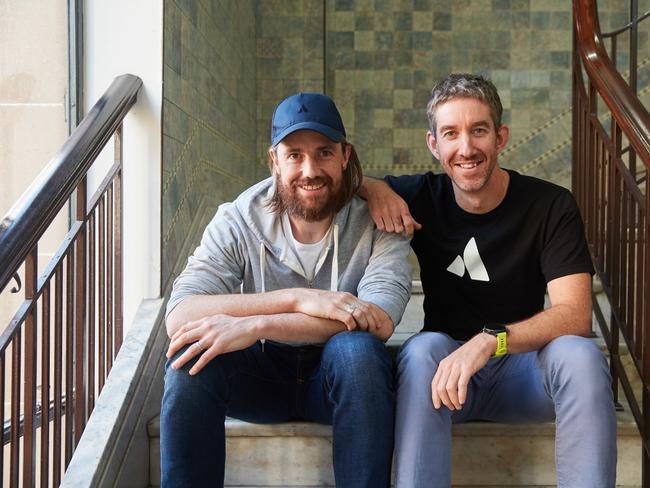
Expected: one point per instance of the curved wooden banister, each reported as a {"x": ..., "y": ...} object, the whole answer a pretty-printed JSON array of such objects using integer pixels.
[
  {"x": 614, "y": 198},
  {"x": 26, "y": 221},
  {"x": 624, "y": 105}
]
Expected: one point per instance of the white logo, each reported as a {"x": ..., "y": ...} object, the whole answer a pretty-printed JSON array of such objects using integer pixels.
[{"x": 472, "y": 261}]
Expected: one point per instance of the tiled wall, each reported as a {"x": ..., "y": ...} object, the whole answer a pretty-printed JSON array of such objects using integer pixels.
[
  {"x": 290, "y": 56},
  {"x": 209, "y": 117},
  {"x": 228, "y": 63},
  {"x": 383, "y": 58}
]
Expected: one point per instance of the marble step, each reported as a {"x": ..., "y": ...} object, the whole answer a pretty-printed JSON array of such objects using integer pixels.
[{"x": 298, "y": 454}]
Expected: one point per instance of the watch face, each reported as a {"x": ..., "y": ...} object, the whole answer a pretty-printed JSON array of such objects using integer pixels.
[{"x": 494, "y": 329}]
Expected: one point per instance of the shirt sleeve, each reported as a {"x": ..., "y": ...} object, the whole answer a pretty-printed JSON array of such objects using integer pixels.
[
  {"x": 406, "y": 186},
  {"x": 565, "y": 250},
  {"x": 217, "y": 265},
  {"x": 387, "y": 279}
]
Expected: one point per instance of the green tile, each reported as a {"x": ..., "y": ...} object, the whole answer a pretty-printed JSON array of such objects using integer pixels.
[
  {"x": 501, "y": 5},
  {"x": 442, "y": 21},
  {"x": 341, "y": 40},
  {"x": 364, "y": 22},
  {"x": 403, "y": 21},
  {"x": 502, "y": 40},
  {"x": 364, "y": 41},
  {"x": 520, "y": 4},
  {"x": 521, "y": 20},
  {"x": 540, "y": 20},
  {"x": 402, "y": 157},
  {"x": 344, "y": 5},
  {"x": 403, "y": 40},
  {"x": 423, "y": 5},
  {"x": 560, "y": 59},
  {"x": 383, "y": 40},
  {"x": 422, "y": 41},
  {"x": 364, "y": 60}
]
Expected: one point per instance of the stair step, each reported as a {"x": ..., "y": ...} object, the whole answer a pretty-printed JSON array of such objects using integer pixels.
[{"x": 298, "y": 454}]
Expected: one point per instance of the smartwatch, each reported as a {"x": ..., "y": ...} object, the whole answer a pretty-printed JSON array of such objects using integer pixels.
[{"x": 500, "y": 332}]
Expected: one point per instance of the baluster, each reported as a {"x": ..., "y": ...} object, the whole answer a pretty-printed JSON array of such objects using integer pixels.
[
  {"x": 110, "y": 312},
  {"x": 45, "y": 386},
  {"x": 102, "y": 294},
  {"x": 118, "y": 242},
  {"x": 29, "y": 431},
  {"x": 71, "y": 286},
  {"x": 14, "y": 475},
  {"x": 80, "y": 316},
  {"x": 92, "y": 282},
  {"x": 58, "y": 374}
]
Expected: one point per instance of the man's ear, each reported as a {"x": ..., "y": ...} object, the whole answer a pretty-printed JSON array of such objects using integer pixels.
[
  {"x": 273, "y": 158},
  {"x": 432, "y": 144},
  {"x": 502, "y": 137}
]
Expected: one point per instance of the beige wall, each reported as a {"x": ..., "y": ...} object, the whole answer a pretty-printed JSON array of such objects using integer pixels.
[{"x": 33, "y": 126}]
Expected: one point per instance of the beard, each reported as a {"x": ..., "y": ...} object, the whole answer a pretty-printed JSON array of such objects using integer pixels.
[{"x": 310, "y": 209}]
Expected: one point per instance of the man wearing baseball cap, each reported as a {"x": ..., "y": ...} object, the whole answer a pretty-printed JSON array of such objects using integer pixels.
[{"x": 283, "y": 310}]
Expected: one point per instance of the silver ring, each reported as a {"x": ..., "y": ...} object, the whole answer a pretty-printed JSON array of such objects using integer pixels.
[
  {"x": 199, "y": 345},
  {"x": 351, "y": 309}
]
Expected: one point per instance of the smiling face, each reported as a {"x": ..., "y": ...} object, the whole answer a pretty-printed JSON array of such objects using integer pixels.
[
  {"x": 467, "y": 145},
  {"x": 309, "y": 169}
]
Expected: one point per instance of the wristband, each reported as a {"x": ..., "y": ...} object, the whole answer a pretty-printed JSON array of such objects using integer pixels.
[{"x": 501, "y": 333}]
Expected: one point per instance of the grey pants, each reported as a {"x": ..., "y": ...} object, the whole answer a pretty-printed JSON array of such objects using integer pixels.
[{"x": 567, "y": 380}]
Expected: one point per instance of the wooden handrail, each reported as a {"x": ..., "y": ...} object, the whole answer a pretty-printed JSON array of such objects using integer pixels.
[
  {"x": 624, "y": 105},
  {"x": 30, "y": 216},
  {"x": 614, "y": 200}
]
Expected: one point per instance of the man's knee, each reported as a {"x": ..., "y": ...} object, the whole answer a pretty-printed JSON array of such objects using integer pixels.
[
  {"x": 358, "y": 355},
  {"x": 572, "y": 360},
  {"x": 424, "y": 351},
  {"x": 354, "y": 348},
  {"x": 178, "y": 382}
]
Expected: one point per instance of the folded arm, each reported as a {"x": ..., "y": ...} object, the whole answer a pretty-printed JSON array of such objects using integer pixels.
[
  {"x": 350, "y": 311},
  {"x": 218, "y": 324},
  {"x": 220, "y": 334}
]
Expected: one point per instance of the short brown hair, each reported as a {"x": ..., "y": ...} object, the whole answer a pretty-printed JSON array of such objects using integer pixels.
[{"x": 464, "y": 85}]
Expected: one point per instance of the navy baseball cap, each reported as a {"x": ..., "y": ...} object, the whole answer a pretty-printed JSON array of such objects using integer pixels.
[{"x": 313, "y": 111}]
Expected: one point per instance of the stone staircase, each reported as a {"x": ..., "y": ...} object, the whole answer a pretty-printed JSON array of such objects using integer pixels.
[{"x": 298, "y": 454}]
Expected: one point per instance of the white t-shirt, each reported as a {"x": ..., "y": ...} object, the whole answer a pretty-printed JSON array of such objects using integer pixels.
[{"x": 307, "y": 254}]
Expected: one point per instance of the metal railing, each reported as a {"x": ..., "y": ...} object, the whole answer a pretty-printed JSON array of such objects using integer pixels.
[
  {"x": 611, "y": 189},
  {"x": 58, "y": 348}
]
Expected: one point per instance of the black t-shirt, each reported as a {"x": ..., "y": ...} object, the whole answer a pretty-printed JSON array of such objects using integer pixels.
[{"x": 493, "y": 267}]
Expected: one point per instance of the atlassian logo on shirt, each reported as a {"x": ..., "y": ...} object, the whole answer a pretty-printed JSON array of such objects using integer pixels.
[{"x": 471, "y": 261}]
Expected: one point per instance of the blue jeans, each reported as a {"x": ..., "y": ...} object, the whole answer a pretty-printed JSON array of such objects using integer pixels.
[
  {"x": 568, "y": 380},
  {"x": 348, "y": 384}
]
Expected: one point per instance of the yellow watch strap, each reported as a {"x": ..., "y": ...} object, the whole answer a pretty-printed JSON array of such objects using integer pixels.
[{"x": 502, "y": 346}]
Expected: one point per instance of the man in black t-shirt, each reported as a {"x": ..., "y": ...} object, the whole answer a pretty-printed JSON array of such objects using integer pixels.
[{"x": 490, "y": 242}]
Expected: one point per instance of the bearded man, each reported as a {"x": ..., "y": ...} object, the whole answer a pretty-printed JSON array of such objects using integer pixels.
[{"x": 283, "y": 310}]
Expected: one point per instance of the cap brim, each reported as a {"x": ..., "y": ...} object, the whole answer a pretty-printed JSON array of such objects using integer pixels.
[{"x": 327, "y": 131}]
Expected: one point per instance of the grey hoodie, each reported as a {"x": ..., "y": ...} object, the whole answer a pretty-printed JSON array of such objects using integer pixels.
[{"x": 244, "y": 249}]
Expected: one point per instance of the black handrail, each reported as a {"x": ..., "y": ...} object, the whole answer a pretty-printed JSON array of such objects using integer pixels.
[{"x": 30, "y": 216}]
